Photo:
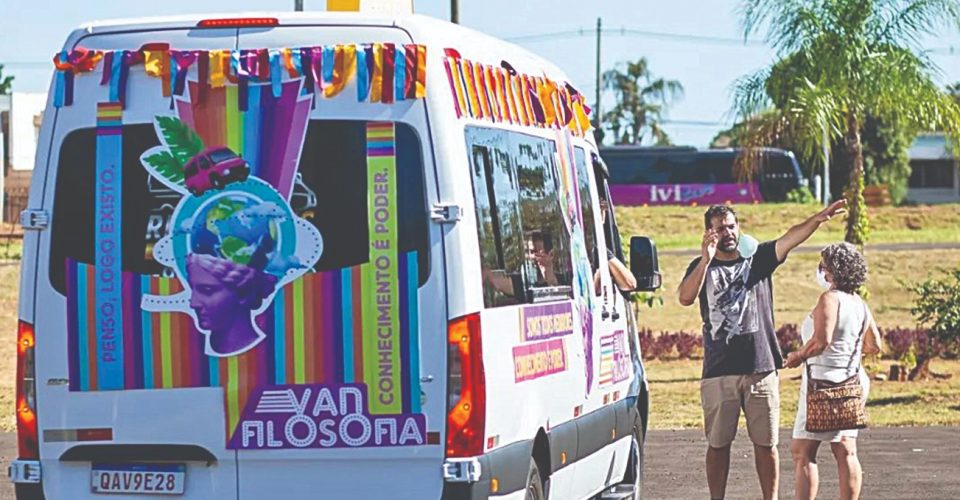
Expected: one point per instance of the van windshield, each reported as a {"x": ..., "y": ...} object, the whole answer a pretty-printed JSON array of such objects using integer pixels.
[{"x": 330, "y": 191}]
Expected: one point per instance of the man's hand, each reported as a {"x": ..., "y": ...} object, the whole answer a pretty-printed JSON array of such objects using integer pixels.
[
  {"x": 793, "y": 360},
  {"x": 836, "y": 208},
  {"x": 709, "y": 247}
]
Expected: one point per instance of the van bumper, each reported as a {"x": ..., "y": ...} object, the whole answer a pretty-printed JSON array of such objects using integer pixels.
[
  {"x": 24, "y": 472},
  {"x": 509, "y": 465}
]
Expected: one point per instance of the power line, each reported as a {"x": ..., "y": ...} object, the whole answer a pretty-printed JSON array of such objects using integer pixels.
[{"x": 560, "y": 35}]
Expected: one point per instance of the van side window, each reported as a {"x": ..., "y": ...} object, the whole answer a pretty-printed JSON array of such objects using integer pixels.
[
  {"x": 330, "y": 192},
  {"x": 586, "y": 206},
  {"x": 524, "y": 243}
]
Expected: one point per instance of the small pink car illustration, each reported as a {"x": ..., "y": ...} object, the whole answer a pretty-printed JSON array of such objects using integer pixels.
[{"x": 214, "y": 168}]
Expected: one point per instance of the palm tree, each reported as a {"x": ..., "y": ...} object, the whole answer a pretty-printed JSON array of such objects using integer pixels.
[
  {"x": 6, "y": 82},
  {"x": 641, "y": 103},
  {"x": 839, "y": 62}
]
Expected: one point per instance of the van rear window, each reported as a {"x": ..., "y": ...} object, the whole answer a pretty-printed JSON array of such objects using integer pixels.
[{"x": 330, "y": 191}]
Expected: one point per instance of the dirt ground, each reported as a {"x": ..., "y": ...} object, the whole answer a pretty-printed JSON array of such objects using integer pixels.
[{"x": 898, "y": 463}]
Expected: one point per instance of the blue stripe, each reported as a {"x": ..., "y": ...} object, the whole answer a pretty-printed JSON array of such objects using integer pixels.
[
  {"x": 399, "y": 73},
  {"x": 251, "y": 130},
  {"x": 147, "y": 334},
  {"x": 413, "y": 274},
  {"x": 59, "y": 89},
  {"x": 116, "y": 64},
  {"x": 214, "y": 371},
  {"x": 109, "y": 293},
  {"x": 346, "y": 304},
  {"x": 363, "y": 80},
  {"x": 279, "y": 338},
  {"x": 83, "y": 328},
  {"x": 329, "y": 61},
  {"x": 380, "y": 144},
  {"x": 276, "y": 73}
]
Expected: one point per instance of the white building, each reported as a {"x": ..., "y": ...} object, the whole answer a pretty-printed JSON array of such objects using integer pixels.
[
  {"x": 935, "y": 176},
  {"x": 20, "y": 116}
]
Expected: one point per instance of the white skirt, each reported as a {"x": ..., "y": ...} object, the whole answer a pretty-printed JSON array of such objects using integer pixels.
[{"x": 800, "y": 425}]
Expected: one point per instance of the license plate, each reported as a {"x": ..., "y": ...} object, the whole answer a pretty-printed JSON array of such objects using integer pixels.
[{"x": 147, "y": 479}]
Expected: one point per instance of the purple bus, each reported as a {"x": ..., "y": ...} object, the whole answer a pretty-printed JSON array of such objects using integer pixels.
[{"x": 642, "y": 176}]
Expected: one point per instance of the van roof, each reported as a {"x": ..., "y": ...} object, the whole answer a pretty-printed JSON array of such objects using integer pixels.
[
  {"x": 678, "y": 150},
  {"x": 471, "y": 44}
]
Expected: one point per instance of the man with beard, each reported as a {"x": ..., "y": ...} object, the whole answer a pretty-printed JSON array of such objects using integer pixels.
[{"x": 741, "y": 354}]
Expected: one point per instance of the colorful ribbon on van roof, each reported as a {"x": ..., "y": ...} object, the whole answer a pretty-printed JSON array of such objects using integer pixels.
[
  {"x": 385, "y": 72},
  {"x": 501, "y": 95}
]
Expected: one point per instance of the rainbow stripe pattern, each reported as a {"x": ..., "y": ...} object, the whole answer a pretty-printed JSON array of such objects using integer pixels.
[
  {"x": 499, "y": 95},
  {"x": 268, "y": 135},
  {"x": 385, "y": 72},
  {"x": 314, "y": 334}
]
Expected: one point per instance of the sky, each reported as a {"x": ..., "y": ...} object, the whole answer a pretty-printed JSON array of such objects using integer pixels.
[{"x": 697, "y": 42}]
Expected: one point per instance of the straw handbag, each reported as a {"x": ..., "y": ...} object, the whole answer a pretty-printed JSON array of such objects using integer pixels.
[{"x": 836, "y": 406}]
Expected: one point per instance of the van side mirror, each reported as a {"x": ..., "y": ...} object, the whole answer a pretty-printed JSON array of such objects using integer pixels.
[{"x": 644, "y": 264}]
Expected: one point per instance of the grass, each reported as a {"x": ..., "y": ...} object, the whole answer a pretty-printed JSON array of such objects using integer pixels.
[
  {"x": 9, "y": 286},
  {"x": 675, "y": 385},
  {"x": 796, "y": 291},
  {"x": 675, "y": 397},
  {"x": 675, "y": 227}
]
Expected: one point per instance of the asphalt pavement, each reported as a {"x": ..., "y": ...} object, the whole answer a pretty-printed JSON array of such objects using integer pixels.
[{"x": 898, "y": 463}]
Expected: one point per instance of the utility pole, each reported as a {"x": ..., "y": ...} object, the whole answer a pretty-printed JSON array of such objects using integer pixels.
[
  {"x": 298, "y": 5},
  {"x": 596, "y": 108},
  {"x": 455, "y": 11},
  {"x": 826, "y": 167}
]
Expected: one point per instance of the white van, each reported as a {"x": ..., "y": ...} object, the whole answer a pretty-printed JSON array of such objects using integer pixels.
[{"x": 321, "y": 256}]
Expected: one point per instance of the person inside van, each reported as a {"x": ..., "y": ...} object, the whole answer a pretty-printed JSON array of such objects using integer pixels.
[
  {"x": 622, "y": 277},
  {"x": 540, "y": 254}
]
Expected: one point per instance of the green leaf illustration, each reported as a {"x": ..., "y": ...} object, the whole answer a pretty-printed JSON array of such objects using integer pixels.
[
  {"x": 166, "y": 165},
  {"x": 182, "y": 141}
]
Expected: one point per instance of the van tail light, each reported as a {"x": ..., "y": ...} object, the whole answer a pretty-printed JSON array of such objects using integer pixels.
[
  {"x": 466, "y": 388},
  {"x": 239, "y": 22},
  {"x": 27, "y": 440}
]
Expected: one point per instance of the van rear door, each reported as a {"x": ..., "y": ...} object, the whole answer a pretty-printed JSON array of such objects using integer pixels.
[
  {"x": 370, "y": 167},
  {"x": 125, "y": 397}
]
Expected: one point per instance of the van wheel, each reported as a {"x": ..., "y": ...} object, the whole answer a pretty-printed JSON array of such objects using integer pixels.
[
  {"x": 634, "y": 474},
  {"x": 216, "y": 182},
  {"x": 28, "y": 491},
  {"x": 534, "y": 484}
]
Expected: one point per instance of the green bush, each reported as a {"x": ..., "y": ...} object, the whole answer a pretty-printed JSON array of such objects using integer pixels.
[
  {"x": 801, "y": 195},
  {"x": 938, "y": 308}
]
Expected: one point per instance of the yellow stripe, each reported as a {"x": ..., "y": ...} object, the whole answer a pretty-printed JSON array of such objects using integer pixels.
[
  {"x": 299, "y": 369},
  {"x": 375, "y": 134},
  {"x": 217, "y": 75},
  {"x": 166, "y": 361},
  {"x": 234, "y": 119},
  {"x": 233, "y": 391}
]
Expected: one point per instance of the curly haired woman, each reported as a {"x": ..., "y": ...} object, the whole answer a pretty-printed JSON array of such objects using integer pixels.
[{"x": 838, "y": 331}]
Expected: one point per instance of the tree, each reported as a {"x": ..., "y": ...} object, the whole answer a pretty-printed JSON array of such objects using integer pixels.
[
  {"x": 6, "y": 82},
  {"x": 641, "y": 103},
  {"x": 841, "y": 62},
  {"x": 938, "y": 308},
  {"x": 954, "y": 91}
]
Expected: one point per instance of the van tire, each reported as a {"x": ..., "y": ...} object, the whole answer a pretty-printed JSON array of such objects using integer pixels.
[
  {"x": 534, "y": 489},
  {"x": 634, "y": 473},
  {"x": 28, "y": 491}
]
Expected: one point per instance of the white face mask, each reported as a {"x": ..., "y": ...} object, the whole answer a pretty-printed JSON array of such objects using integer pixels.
[{"x": 822, "y": 279}]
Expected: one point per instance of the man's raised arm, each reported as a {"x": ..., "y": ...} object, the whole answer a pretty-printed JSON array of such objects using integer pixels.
[
  {"x": 693, "y": 282},
  {"x": 799, "y": 233}
]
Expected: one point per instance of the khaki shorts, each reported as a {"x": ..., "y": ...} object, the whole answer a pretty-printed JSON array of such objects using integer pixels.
[{"x": 758, "y": 395}]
